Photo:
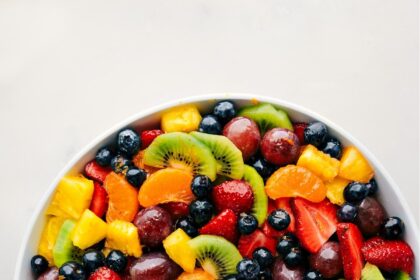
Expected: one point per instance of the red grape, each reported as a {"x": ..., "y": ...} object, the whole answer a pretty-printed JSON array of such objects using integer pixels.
[
  {"x": 327, "y": 260},
  {"x": 154, "y": 266},
  {"x": 370, "y": 216},
  {"x": 282, "y": 272},
  {"x": 176, "y": 209},
  {"x": 50, "y": 274},
  {"x": 280, "y": 146}
]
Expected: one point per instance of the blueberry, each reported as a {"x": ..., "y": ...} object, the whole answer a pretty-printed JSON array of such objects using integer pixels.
[
  {"x": 333, "y": 148},
  {"x": 347, "y": 212},
  {"x": 210, "y": 124},
  {"x": 279, "y": 219},
  {"x": 286, "y": 243},
  {"x": 393, "y": 228},
  {"x": 72, "y": 271},
  {"x": 263, "y": 257},
  {"x": 265, "y": 275},
  {"x": 247, "y": 223},
  {"x": 224, "y": 111},
  {"x": 92, "y": 259},
  {"x": 116, "y": 261},
  {"x": 294, "y": 257},
  {"x": 372, "y": 187},
  {"x": 263, "y": 167},
  {"x": 120, "y": 164},
  {"x": 201, "y": 186},
  {"x": 39, "y": 265},
  {"x": 128, "y": 142},
  {"x": 313, "y": 275},
  {"x": 355, "y": 192},
  {"x": 201, "y": 211},
  {"x": 136, "y": 176},
  {"x": 187, "y": 225},
  {"x": 104, "y": 156},
  {"x": 248, "y": 269},
  {"x": 316, "y": 133}
]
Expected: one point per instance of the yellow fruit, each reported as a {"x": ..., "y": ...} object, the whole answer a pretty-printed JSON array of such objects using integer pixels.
[
  {"x": 184, "y": 118},
  {"x": 49, "y": 236},
  {"x": 335, "y": 190},
  {"x": 72, "y": 196},
  {"x": 197, "y": 274},
  {"x": 321, "y": 164},
  {"x": 354, "y": 166},
  {"x": 123, "y": 236},
  {"x": 89, "y": 230},
  {"x": 177, "y": 247}
]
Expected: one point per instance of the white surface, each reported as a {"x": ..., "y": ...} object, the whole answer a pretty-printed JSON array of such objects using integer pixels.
[{"x": 70, "y": 70}]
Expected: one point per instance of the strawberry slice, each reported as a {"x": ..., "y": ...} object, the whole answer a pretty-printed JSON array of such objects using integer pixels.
[
  {"x": 96, "y": 172},
  {"x": 351, "y": 241},
  {"x": 99, "y": 202},
  {"x": 104, "y": 273},
  {"x": 147, "y": 137},
  {"x": 176, "y": 209},
  {"x": 248, "y": 243},
  {"x": 298, "y": 129},
  {"x": 223, "y": 225},
  {"x": 389, "y": 255},
  {"x": 315, "y": 222}
]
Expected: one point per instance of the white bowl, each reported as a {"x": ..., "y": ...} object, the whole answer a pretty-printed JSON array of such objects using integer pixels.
[{"x": 389, "y": 192}]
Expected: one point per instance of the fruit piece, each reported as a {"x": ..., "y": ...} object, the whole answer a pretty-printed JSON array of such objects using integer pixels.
[
  {"x": 401, "y": 275},
  {"x": 184, "y": 118},
  {"x": 50, "y": 274},
  {"x": 293, "y": 181},
  {"x": 182, "y": 151},
  {"x": 236, "y": 195},
  {"x": 92, "y": 260},
  {"x": 333, "y": 148},
  {"x": 228, "y": 157},
  {"x": 123, "y": 236},
  {"x": 138, "y": 161},
  {"x": 99, "y": 202},
  {"x": 298, "y": 129},
  {"x": 147, "y": 137},
  {"x": 279, "y": 219},
  {"x": 282, "y": 272},
  {"x": 89, "y": 230},
  {"x": 39, "y": 265},
  {"x": 284, "y": 203},
  {"x": 371, "y": 272},
  {"x": 280, "y": 146},
  {"x": 96, "y": 172},
  {"x": 201, "y": 212},
  {"x": 315, "y": 222},
  {"x": 216, "y": 255},
  {"x": 389, "y": 255},
  {"x": 136, "y": 176},
  {"x": 71, "y": 197},
  {"x": 247, "y": 223},
  {"x": 263, "y": 167},
  {"x": 372, "y": 187},
  {"x": 267, "y": 228},
  {"x": 72, "y": 270},
  {"x": 154, "y": 265},
  {"x": 244, "y": 133},
  {"x": 176, "y": 209},
  {"x": 128, "y": 142},
  {"x": 197, "y": 274},
  {"x": 49, "y": 237},
  {"x": 248, "y": 243},
  {"x": 116, "y": 260},
  {"x": 123, "y": 204},
  {"x": 294, "y": 258},
  {"x": 248, "y": 269},
  {"x": 313, "y": 275},
  {"x": 355, "y": 192},
  {"x": 347, "y": 212},
  {"x": 210, "y": 124},
  {"x": 120, "y": 164},
  {"x": 223, "y": 225},
  {"x": 103, "y": 156},
  {"x": 224, "y": 110},
  {"x": 177, "y": 247},
  {"x": 327, "y": 260},
  {"x": 350, "y": 240},
  {"x": 354, "y": 167},
  {"x": 63, "y": 248},
  {"x": 201, "y": 186},
  {"x": 187, "y": 225},
  {"x": 319, "y": 163},
  {"x": 259, "y": 206},
  {"x": 104, "y": 273},
  {"x": 263, "y": 257},
  {"x": 316, "y": 134},
  {"x": 393, "y": 228},
  {"x": 370, "y": 216},
  {"x": 335, "y": 190}
]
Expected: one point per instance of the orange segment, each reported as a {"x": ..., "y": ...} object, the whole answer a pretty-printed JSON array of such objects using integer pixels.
[
  {"x": 292, "y": 181},
  {"x": 197, "y": 274},
  {"x": 139, "y": 162},
  {"x": 166, "y": 185},
  {"x": 123, "y": 204},
  {"x": 354, "y": 166}
]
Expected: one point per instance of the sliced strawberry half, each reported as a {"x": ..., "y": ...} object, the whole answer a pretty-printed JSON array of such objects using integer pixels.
[
  {"x": 99, "y": 202},
  {"x": 315, "y": 222},
  {"x": 351, "y": 241},
  {"x": 104, "y": 273},
  {"x": 147, "y": 137},
  {"x": 248, "y": 243},
  {"x": 223, "y": 225},
  {"x": 96, "y": 172},
  {"x": 176, "y": 209}
]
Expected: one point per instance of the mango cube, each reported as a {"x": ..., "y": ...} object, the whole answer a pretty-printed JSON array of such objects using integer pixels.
[
  {"x": 184, "y": 118},
  {"x": 49, "y": 236},
  {"x": 89, "y": 230},
  {"x": 354, "y": 166},
  {"x": 178, "y": 249},
  {"x": 335, "y": 190},
  {"x": 123, "y": 236},
  {"x": 321, "y": 164}
]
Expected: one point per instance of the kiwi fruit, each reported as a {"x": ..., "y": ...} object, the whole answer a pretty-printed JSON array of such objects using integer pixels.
[
  {"x": 228, "y": 157},
  {"x": 400, "y": 275},
  {"x": 260, "y": 206},
  {"x": 267, "y": 117},
  {"x": 64, "y": 250},
  {"x": 216, "y": 255},
  {"x": 183, "y": 151},
  {"x": 371, "y": 272}
]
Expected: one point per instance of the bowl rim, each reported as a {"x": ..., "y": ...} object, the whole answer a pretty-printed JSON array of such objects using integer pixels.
[{"x": 200, "y": 98}]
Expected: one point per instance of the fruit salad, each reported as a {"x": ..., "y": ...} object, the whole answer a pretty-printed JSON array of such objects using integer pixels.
[{"x": 234, "y": 194}]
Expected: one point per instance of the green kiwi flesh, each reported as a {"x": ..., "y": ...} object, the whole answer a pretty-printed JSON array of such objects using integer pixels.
[
  {"x": 64, "y": 250},
  {"x": 371, "y": 272},
  {"x": 260, "y": 206},
  {"x": 401, "y": 275}
]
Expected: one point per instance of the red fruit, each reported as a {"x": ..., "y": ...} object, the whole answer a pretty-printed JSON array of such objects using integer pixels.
[
  {"x": 176, "y": 209},
  {"x": 284, "y": 203},
  {"x": 298, "y": 129},
  {"x": 350, "y": 240},
  {"x": 281, "y": 203},
  {"x": 236, "y": 195},
  {"x": 96, "y": 172},
  {"x": 104, "y": 273},
  {"x": 248, "y": 243},
  {"x": 147, "y": 137},
  {"x": 99, "y": 202},
  {"x": 280, "y": 146},
  {"x": 389, "y": 255},
  {"x": 223, "y": 225},
  {"x": 315, "y": 222}
]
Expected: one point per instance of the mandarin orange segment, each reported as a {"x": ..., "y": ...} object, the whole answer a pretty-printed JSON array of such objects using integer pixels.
[
  {"x": 123, "y": 204},
  {"x": 166, "y": 185},
  {"x": 138, "y": 161},
  {"x": 197, "y": 274},
  {"x": 293, "y": 181}
]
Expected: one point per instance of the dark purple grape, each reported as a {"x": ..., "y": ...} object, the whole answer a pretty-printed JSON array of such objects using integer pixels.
[
  {"x": 370, "y": 216},
  {"x": 50, "y": 274},
  {"x": 327, "y": 260},
  {"x": 281, "y": 272},
  {"x": 280, "y": 146},
  {"x": 154, "y": 266}
]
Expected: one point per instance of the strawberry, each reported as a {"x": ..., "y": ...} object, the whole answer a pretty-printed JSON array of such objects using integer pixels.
[
  {"x": 236, "y": 195},
  {"x": 284, "y": 203},
  {"x": 104, "y": 273},
  {"x": 176, "y": 209},
  {"x": 298, "y": 129},
  {"x": 281, "y": 203},
  {"x": 99, "y": 202},
  {"x": 96, "y": 172},
  {"x": 223, "y": 225},
  {"x": 351, "y": 241},
  {"x": 147, "y": 137},
  {"x": 389, "y": 255},
  {"x": 248, "y": 243},
  {"x": 315, "y": 222}
]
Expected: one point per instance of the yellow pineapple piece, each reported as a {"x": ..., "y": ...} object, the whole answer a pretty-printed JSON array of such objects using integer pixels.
[
  {"x": 123, "y": 236},
  {"x": 354, "y": 166},
  {"x": 72, "y": 196},
  {"x": 177, "y": 247},
  {"x": 49, "y": 236},
  {"x": 335, "y": 190},
  {"x": 184, "y": 118},
  {"x": 321, "y": 164},
  {"x": 89, "y": 230},
  {"x": 197, "y": 274}
]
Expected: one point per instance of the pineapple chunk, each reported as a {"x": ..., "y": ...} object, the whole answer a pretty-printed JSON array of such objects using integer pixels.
[
  {"x": 177, "y": 247},
  {"x": 49, "y": 236},
  {"x": 354, "y": 166},
  {"x": 89, "y": 230},
  {"x": 183, "y": 118},
  {"x": 319, "y": 163},
  {"x": 72, "y": 196},
  {"x": 123, "y": 236},
  {"x": 335, "y": 190}
]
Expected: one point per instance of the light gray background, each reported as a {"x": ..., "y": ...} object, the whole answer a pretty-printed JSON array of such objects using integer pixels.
[{"x": 71, "y": 69}]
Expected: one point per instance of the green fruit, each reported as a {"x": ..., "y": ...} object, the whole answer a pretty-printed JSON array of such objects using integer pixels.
[
  {"x": 181, "y": 150},
  {"x": 371, "y": 272},
  {"x": 267, "y": 117},
  {"x": 64, "y": 250},
  {"x": 228, "y": 157},
  {"x": 260, "y": 206},
  {"x": 216, "y": 255},
  {"x": 401, "y": 275}
]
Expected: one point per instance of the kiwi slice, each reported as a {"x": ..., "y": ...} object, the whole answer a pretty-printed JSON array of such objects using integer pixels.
[
  {"x": 260, "y": 206},
  {"x": 181, "y": 150},
  {"x": 64, "y": 250},
  {"x": 228, "y": 157},
  {"x": 216, "y": 255},
  {"x": 266, "y": 116},
  {"x": 400, "y": 275},
  {"x": 371, "y": 272}
]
